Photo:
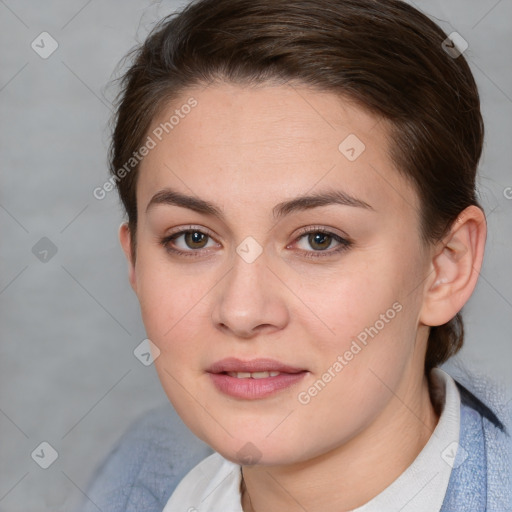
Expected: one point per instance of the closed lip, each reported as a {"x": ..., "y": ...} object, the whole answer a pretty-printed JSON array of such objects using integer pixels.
[{"x": 232, "y": 364}]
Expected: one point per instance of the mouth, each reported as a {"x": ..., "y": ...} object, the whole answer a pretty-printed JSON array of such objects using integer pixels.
[
  {"x": 252, "y": 367},
  {"x": 255, "y": 379},
  {"x": 252, "y": 375}
]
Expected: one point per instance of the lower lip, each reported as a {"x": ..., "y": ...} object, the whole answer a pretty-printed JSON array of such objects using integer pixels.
[{"x": 252, "y": 389}]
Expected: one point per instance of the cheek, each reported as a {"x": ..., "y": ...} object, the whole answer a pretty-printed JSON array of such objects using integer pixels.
[
  {"x": 170, "y": 301},
  {"x": 351, "y": 298},
  {"x": 368, "y": 316}
]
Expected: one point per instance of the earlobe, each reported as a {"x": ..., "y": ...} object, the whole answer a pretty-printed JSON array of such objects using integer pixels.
[
  {"x": 125, "y": 240},
  {"x": 455, "y": 268}
]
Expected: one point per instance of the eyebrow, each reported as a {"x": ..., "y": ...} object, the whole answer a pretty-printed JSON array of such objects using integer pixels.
[{"x": 172, "y": 197}]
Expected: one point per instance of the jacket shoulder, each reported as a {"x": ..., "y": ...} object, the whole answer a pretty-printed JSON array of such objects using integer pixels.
[
  {"x": 481, "y": 477},
  {"x": 147, "y": 463}
]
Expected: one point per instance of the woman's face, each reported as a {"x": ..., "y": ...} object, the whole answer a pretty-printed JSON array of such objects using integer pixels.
[{"x": 329, "y": 288}]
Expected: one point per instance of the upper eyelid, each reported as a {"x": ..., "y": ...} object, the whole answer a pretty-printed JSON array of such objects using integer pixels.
[{"x": 322, "y": 229}]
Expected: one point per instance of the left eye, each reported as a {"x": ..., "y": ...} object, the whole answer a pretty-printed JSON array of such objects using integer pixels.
[{"x": 321, "y": 240}]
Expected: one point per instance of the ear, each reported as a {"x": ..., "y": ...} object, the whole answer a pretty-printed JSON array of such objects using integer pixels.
[
  {"x": 455, "y": 268},
  {"x": 125, "y": 238}
]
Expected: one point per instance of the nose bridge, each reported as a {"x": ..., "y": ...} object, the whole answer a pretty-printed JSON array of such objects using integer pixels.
[{"x": 248, "y": 299}]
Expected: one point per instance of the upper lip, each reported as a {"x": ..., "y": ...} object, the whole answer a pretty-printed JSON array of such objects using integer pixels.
[{"x": 232, "y": 364}]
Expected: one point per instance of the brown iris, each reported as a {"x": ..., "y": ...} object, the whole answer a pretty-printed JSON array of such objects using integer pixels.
[{"x": 322, "y": 241}]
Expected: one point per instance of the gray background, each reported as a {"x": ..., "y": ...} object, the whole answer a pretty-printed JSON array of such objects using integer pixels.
[{"x": 69, "y": 325}]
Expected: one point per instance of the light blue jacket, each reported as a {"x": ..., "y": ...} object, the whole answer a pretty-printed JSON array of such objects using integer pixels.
[{"x": 158, "y": 450}]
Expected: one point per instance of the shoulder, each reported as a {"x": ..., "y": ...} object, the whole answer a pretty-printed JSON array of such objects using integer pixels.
[
  {"x": 483, "y": 467},
  {"x": 145, "y": 466}
]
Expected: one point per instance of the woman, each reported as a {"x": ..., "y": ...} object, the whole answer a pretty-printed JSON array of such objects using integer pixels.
[{"x": 302, "y": 233}]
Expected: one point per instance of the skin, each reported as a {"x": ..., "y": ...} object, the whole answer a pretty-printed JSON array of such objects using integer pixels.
[{"x": 246, "y": 150}]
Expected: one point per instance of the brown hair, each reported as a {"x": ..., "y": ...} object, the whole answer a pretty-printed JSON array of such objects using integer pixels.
[{"x": 383, "y": 54}]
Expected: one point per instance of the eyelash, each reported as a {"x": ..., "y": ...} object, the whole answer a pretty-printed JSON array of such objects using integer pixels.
[{"x": 345, "y": 243}]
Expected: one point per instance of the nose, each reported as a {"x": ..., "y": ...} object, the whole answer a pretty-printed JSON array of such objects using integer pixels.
[{"x": 250, "y": 300}]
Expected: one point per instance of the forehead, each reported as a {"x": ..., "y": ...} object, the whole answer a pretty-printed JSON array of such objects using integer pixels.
[{"x": 267, "y": 143}]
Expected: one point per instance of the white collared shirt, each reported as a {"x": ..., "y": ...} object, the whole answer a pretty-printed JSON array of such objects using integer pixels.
[{"x": 214, "y": 484}]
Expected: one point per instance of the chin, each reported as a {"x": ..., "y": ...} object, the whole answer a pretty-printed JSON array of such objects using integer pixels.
[{"x": 257, "y": 449}]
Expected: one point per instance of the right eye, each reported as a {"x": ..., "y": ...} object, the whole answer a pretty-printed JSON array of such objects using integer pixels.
[{"x": 187, "y": 242}]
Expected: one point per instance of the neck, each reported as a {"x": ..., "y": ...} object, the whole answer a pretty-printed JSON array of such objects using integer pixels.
[{"x": 352, "y": 474}]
